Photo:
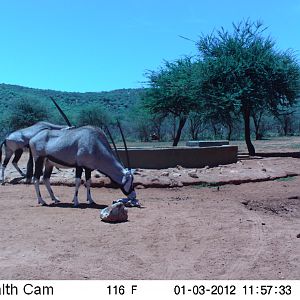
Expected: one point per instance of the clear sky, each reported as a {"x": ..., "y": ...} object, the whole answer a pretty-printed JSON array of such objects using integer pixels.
[{"x": 96, "y": 45}]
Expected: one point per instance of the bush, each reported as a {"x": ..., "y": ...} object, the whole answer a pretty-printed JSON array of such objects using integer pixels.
[
  {"x": 95, "y": 116},
  {"x": 25, "y": 113}
]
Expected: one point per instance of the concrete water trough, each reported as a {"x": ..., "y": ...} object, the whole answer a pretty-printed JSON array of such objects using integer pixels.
[
  {"x": 207, "y": 143},
  {"x": 187, "y": 157}
]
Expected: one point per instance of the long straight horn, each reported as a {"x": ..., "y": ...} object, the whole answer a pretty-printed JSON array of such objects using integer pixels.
[
  {"x": 61, "y": 112},
  {"x": 112, "y": 140},
  {"x": 125, "y": 145}
]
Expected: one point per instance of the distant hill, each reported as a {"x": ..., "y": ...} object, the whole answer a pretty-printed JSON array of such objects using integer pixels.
[{"x": 116, "y": 101}]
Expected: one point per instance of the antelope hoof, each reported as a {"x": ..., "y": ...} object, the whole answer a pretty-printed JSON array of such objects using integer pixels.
[
  {"x": 28, "y": 181},
  {"x": 42, "y": 202}
]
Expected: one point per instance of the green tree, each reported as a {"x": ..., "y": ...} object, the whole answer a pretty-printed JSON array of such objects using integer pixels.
[
  {"x": 172, "y": 92},
  {"x": 286, "y": 120},
  {"x": 25, "y": 112},
  {"x": 145, "y": 123},
  {"x": 93, "y": 115},
  {"x": 140, "y": 119},
  {"x": 197, "y": 124},
  {"x": 258, "y": 121},
  {"x": 243, "y": 73}
]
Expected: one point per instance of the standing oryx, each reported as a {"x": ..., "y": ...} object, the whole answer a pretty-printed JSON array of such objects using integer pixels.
[
  {"x": 81, "y": 148},
  {"x": 15, "y": 143}
]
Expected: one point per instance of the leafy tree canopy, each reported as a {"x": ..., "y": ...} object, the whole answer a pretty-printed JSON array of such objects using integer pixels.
[
  {"x": 95, "y": 116},
  {"x": 26, "y": 113},
  {"x": 242, "y": 72},
  {"x": 172, "y": 91},
  {"x": 171, "y": 88}
]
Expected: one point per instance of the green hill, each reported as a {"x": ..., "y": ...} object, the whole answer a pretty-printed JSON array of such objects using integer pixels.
[
  {"x": 121, "y": 103},
  {"x": 116, "y": 101}
]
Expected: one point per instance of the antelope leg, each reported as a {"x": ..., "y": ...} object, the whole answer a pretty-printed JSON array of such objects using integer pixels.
[
  {"x": 2, "y": 174},
  {"x": 79, "y": 171},
  {"x": 88, "y": 186},
  {"x": 46, "y": 178},
  {"x": 37, "y": 174},
  {"x": 8, "y": 155},
  {"x": 29, "y": 171},
  {"x": 18, "y": 154}
]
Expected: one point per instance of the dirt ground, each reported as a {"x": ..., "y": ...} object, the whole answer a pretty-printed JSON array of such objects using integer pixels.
[{"x": 249, "y": 230}]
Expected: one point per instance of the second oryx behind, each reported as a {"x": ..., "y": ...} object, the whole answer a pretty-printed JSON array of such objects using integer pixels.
[
  {"x": 15, "y": 143},
  {"x": 84, "y": 148}
]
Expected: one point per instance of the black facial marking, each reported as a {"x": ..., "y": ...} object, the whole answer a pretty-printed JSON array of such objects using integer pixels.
[{"x": 119, "y": 185}]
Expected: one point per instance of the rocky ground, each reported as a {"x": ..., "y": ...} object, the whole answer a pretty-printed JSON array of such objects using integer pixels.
[
  {"x": 250, "y": 170},
  {"x": 239, "y": 221}
]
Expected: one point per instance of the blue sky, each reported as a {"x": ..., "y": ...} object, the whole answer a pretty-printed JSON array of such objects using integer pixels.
[{"x": 96, "y": 45}]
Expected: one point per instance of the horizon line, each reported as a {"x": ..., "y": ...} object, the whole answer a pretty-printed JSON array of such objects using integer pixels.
[{"x": 65, "y": 91}]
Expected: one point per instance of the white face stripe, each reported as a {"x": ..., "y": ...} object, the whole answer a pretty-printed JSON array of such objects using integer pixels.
[{"x": 127, "y": 181}]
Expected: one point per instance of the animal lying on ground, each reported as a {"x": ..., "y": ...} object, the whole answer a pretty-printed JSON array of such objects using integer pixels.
[
  {"x": 84, "y": 148},
  {"x": 15, "y": 143}
]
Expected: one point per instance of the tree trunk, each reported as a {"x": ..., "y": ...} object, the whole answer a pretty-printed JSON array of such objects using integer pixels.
[
  {"x": 196, "y": 135},
  {"x": 182, "y": 121},
  {"x": 256, "y": 126},
  {"x": 214, "y": 129},
  {"x": 173, "y": 121},
  {"x": 229, "y": 132},
  {"x": 193, "y": 130},
  {"x": 249, "y": 144},
  {"x": 257, "y": 118},
  {"x": 286, "y": 126}
]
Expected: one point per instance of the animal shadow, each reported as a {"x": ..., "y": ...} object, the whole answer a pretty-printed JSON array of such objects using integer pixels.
[
  {"x": 80, "y": 206},
  {"x": 16, "y": 180}
]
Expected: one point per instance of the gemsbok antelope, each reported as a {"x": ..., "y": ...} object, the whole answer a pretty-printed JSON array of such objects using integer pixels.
[
  {"x": 84, "y": 148},
  {"x": 16, "y": 142}
]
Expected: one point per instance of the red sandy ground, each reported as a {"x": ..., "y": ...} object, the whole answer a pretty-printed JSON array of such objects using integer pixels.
[{"x": 245, "y": 231}]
